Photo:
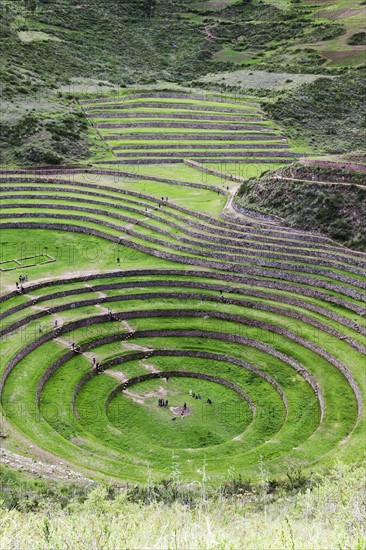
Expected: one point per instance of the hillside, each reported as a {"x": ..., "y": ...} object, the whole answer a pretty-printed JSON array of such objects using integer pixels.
[
  {"x": 324, "y": 198},
  {"x": 55, "y": 51},
  {"x": 182, "y": 274},
  {"x": 45, "y": 43},
  {"x": 326, "y": 115}
]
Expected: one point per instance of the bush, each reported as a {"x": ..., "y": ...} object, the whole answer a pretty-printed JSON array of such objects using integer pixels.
[
  {"x": 357, "y": 39},
  {"x": 338, "y": 212},
  {"x": 38, "y": 154}
]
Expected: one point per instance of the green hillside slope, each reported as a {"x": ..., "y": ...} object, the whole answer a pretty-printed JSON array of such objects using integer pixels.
[
  {"x": 45, "y": 42},
  {"x": 325, "y": 198}
]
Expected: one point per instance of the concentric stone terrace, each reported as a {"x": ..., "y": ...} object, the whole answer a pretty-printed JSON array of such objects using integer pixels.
[
  {"x": 167, "y": 127},
  {"x": 264, "y": 321}
]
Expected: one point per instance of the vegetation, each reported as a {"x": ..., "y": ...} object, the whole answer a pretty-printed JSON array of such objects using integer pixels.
[
  {"x": 105, "y": 41},
  {"x": 357, "y": 39},
  {"x": 163, "y": 127},
  {"x": 147, "y": 214},
  {"x": 98, "y": 38},
  {"x": 182, "y": 326},
  {"x": 241, "y": 514},
  {"x": 328, "y": 114},
  {"x": 336, "y": 209},
  {"x": 42, "y": 138}
]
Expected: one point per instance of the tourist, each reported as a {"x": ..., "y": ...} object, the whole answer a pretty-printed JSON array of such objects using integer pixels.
[
  {"x": 190, "y": 393},
  {"x": 56, "y": 323},
  {"x": 17, "y": 285},
  {"x": 73, "y": 346},
  {"x": 209, "y": 401},
  {"x": 166, "y": 403},
  {"x": 40, "y": 328},
  {"x": 185, "y": 406}
]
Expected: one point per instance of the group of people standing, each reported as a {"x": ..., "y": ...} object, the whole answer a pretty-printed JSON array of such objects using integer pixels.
[
  {"x": 22, "y": 279},
  {"x": 198, "y": 396}
]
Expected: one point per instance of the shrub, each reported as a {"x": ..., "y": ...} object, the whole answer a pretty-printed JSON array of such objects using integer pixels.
[
  {"x": 357, "y": 39},
  {"x": 38, "y": 154}
]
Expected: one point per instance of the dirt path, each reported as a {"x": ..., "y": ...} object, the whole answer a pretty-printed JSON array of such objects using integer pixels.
[
  {"x": 116, "y": 374},
  {"x": 41, "y": 462},
  {"x": 149, "y": 367},
  {"x": 57, "y": 472},
  {"x": 230, "y": 211},
  {"x": 66, "y": 275},
  {"x": 321, "y": 182},
  {"x": 127, "y": 326},
  {"x": 136, "y": 347},
  {"x": 209, "y": 34}
]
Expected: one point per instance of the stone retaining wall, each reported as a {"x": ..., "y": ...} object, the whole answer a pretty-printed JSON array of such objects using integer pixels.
[
  {"x": 180, "y": 374},
  {"x": 204, "y": 286},
  {"x": 252, "y": 213},
  {"x": 252, "y": 136},
  {"x": 199, "y": 166},
  {"x": 301, "y": 235},
  {"x": 165, "y": 160},
  {"x": 193, "y": 146},
  {"x": 190, "y": 333},
  {"x": 188, "y": 260},
  {"x": 227, "y": 337},
  {"x": 213, "y": 154},
  {"x": 189, "y": 125},
  {"x": 173, "y": 106},
  {"x": 229, "y": 278},
  {"x": 202, "y": 355},
  {"x": 184, "y": 116},
  {"x": 185, "y": 249},
  {"x": 308, "y": 236},
  {"x": 168, "y": 95},
  {"x": 183, "y": 296}
]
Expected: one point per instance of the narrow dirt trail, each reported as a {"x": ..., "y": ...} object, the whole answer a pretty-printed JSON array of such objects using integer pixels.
[{"x": 321, "y": 182}]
